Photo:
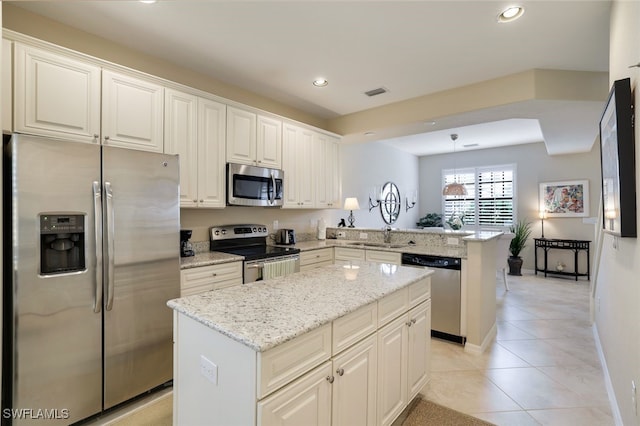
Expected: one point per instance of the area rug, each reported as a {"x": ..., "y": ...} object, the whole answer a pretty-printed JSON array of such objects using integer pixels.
[{"x": 427, "y": 413}]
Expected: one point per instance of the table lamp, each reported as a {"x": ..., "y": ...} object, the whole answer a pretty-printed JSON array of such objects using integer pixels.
[{"x": 351, "y": 204}]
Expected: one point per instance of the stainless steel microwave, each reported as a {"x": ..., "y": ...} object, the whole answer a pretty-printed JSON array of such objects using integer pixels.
[{"x": 254, "y": 186}]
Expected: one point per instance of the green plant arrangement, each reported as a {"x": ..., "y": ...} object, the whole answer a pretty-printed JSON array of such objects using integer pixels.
[
  {"x": 521, "y": 232},
  {"x": 430, "y": 220},
  {"x": 456, "y": 221}
]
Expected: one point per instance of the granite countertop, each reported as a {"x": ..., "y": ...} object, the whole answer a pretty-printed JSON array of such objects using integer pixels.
[
  {"x": 268, "y": 313},
  {"x": 208, "y": 258},
  {"x": 453, "y": 251}
]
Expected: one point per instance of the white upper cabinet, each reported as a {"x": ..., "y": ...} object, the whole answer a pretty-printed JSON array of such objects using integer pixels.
[
  {"x": 326, "y": 171},
  {"x": 195, "y": 129},
  {"x": 211, "y": 163},
  {"x": 132, "y": 112},
  {"x": 55, "y": 95},
  {"x": 7, "y": 88},
  {"x": 269, "y": 142},
  {"x": 297, "y": 161},
  {"x": 181, "y": 137},
  {"x": 253, "y": 139}
]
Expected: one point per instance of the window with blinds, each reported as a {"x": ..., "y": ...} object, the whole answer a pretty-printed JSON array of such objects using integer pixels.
[{"x": 490, "y": 199}]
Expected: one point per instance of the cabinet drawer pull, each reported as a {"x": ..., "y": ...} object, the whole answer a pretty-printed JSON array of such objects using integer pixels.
[
  {"x": 340, "y": 371},
  {"x": 330, "y": 379}
]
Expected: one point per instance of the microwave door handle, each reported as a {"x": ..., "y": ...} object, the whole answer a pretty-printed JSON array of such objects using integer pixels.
[
  {"x": 97, "y": 214},
  {"x": 273, "y": 188}
]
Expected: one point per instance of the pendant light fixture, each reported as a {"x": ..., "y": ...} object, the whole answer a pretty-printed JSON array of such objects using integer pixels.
[{"x": 454, "y": 188}]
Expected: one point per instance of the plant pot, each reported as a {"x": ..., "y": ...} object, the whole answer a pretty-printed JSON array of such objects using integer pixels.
[{"x": 515, "y": 265}]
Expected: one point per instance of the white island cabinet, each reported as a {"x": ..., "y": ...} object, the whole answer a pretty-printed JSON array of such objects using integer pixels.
[{"x": 308, "y": 348}]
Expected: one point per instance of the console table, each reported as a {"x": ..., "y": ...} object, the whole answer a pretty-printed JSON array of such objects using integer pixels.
[{"x": 551, "y": 244}]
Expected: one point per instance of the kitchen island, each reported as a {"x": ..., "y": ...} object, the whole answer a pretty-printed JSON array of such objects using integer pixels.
[{"x": 330, "y": 345}]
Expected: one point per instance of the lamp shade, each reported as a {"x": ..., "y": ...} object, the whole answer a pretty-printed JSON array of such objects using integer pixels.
[
  {"x": 454, "y": 188},
  {"x": 351, "y": 204}
]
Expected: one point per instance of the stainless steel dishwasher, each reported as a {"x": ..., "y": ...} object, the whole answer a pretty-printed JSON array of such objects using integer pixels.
[{"x": 445, "y": 293}]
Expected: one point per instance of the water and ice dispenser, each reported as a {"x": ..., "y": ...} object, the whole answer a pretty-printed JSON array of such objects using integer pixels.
[{"x": 62, "y": 243}]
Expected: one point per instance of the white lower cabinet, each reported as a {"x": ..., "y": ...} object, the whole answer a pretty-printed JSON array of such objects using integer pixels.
[
  {"x": 380, "y": 256},
  {"x": 403, "y": 361},
  {"x": 306, "y": 401},
  {"x": 419, "y": 349},
  {"x": 392, "y": 370},
  {"x": 347, "y": 253},
  {"x": 312, "y": 259},
  {"x": 354, "y": 385},
  {"x": 205, "y": 278}
]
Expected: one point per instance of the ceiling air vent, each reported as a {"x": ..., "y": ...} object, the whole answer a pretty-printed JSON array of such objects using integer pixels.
[
  {"x": 471, "y": 145},
  {"x": 375, "y": 92}
]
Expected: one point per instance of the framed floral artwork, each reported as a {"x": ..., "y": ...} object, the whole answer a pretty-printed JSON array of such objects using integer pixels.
[{"x": 565, "y": 199}]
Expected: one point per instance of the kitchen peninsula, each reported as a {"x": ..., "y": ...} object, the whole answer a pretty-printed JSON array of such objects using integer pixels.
[{"x": 340, "y": 342}]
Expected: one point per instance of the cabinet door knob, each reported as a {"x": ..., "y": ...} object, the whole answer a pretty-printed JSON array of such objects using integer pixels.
[
  {"x": 330, "y": 379},
  {"x": 195, "y": 201},
  {"x": 408, "y": 323},
  {"x": 413, "y": 321},
  {"x": 340, "y": 371},
  {"x": 214, "y": 275},
  {"x": 106, "y": 139},
  {"x": 202, "y": 201}
]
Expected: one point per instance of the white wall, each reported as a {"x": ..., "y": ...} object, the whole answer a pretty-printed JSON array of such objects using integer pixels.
[
  {"x": 533, "y": 166},
  {"x": 369, "y": 164},
  {"x": 617, "y": 294}
]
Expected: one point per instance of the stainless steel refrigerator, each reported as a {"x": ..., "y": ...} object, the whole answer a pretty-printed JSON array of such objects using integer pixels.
[{"x": 92, "y": 260}]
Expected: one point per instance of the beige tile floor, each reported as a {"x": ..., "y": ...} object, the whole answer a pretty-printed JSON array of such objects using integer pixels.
[{"x": 543, "y": 367}]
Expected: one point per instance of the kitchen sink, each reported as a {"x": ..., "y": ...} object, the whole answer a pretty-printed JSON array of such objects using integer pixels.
[{"x": 380, "y": 245}]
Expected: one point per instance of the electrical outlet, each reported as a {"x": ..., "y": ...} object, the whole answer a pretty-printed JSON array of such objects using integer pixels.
[
  {"x": 208, "y": 369},
  {"x": 598, "y": 304},
  {"x": 364, "y": 236},
  {"x": 275, "y": 225},
  {"x": 452, "y": 241},
  {"x": 342, "y": 234}
]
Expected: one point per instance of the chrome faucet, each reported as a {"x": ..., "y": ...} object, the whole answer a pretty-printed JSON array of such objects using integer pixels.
[{"x": 387, "y": 234}]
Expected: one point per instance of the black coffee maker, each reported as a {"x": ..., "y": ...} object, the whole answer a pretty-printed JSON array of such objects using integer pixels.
[{"x": 186, "y": 249}]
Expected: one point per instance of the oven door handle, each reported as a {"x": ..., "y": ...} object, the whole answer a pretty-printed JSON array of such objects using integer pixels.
[{"x": 255, "y": 266}]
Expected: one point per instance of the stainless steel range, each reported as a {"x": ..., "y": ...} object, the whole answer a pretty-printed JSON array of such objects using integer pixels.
[{"x": 261, "y": 261}]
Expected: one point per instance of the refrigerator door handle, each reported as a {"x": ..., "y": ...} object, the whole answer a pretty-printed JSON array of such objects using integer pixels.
[
  {"x": 97, "y": 214},
  {"x": 110, "y": 244}
]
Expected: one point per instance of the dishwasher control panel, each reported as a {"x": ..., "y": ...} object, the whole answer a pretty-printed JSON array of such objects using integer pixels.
[{"x": 431, "y": 261}]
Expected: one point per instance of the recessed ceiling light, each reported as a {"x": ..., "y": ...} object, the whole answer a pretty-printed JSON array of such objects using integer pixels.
[
  {"x": 510, "y": 14},
  {"x": 369, "y": 133},
  {"x": 147, "y": 1},
  {"x": 320, "y": 82}
]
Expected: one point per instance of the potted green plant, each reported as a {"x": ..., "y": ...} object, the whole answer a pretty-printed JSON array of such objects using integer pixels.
[
  {"x": 430, "y": 220},
  {"x": 521, "y": 232}
]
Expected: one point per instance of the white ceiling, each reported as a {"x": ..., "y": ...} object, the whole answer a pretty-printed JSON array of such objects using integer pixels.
[{"x": 411, "y": 48}]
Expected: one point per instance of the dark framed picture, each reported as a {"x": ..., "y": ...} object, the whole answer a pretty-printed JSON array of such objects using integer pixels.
[{"x": 617, "y": 159}]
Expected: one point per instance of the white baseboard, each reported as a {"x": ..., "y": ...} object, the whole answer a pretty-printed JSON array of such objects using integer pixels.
[
  {"x": 615, "y": 410},
  {"x": 477, "y": 350}
]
